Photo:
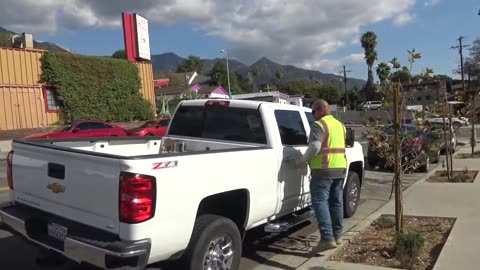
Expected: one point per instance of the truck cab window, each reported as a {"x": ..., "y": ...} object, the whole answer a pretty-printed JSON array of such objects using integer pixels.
[
  {"x": 290, "y": 125},
  {"x": 221, "y": 123}
]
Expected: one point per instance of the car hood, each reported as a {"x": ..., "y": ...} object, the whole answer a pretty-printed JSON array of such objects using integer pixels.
[{"x": 44, "y": 135}]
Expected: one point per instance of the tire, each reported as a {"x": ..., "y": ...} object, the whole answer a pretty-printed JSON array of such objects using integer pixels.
[
  {"x": 456, "y": 125},
  {"x": 351, "y": 195},
  {"x": 436, "y": 158},
  {"x": 209, "y": 230},
  {"x": 425, "y": 167}
]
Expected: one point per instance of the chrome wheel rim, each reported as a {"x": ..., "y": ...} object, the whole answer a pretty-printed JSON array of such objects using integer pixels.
[
  {"x": 353, "y": 195},
  {"x": 219, "y": 255}
]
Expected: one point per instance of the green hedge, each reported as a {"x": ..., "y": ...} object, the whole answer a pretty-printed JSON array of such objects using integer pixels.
[{"x": 99, "y": 88}]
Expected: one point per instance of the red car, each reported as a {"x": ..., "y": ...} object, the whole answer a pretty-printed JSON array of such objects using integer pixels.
[
  {"x": 151, "y": 128},
  {"x": 84, "y": 128}
]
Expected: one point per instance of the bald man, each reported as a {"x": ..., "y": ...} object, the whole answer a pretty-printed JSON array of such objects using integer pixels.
[{"x": 327, "y": 160}]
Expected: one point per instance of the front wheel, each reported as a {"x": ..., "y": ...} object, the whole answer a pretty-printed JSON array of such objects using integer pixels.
[
  {"x": 351, "y": 194},
  {"x": 215, "y": 244}
]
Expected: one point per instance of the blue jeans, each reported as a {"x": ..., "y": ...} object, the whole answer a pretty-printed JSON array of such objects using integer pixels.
[{"x": 327, "y": 202}]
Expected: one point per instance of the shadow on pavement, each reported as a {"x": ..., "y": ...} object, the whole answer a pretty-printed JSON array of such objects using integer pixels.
[{"x": 257, "y": 242}]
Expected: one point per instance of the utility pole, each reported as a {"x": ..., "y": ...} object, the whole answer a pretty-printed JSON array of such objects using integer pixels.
[
  {"x": 460, "y": 47},
  {"x": 345, "y": 85}
]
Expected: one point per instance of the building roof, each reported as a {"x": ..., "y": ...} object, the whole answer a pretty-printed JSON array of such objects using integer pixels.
[
  {"x": 175, "y": 90},
  {"x": 201, "y": 79},
  {"x": 262, "y": 94}
]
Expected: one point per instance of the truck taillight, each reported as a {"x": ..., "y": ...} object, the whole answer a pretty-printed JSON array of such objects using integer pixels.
[
  {"x": 9, "y": 169},
  {"x": 136, "y": 198}
]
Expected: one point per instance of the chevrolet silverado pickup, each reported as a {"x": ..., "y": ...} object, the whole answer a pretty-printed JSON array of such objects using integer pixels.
[{"x": 190, "y": 196}]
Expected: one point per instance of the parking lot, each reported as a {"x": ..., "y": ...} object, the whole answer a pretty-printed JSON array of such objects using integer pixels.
[{"x": 287, "y": 250}]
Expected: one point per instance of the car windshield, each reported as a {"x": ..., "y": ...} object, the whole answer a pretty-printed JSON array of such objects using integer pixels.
[
  {"x": 147, "y": 124},
  {"x": 62, "y": 128}
]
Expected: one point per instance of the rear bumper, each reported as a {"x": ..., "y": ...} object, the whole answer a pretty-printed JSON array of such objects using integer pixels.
[{"x": 82, "y": 243}]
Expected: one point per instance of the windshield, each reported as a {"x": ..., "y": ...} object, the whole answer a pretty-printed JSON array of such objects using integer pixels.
[{"x": 147, "y": 124}]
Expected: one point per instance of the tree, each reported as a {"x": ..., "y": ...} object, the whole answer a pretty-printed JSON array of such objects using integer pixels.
[
  {"x": 394, "y": 144},
  {"x": 412, "y": 57},
  {"x": 369, "y": 43},
  {"x": 120, "y": 54},
  {"x": 383, "y": 72},
  {"x": 191, "y": 64},
  {"x": 352, "y": 97},
  {"x": 219, "y": 77},
  {"x": 294, "y": 87},
  {"x": 330, "y": 92},
  {"x": 256, "y": 71}
]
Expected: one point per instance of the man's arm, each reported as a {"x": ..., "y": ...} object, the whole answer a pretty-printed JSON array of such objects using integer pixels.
[{"x": 314, "y": 145}]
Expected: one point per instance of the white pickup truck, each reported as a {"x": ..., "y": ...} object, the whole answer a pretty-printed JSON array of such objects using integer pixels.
[{"x": 190, "y": 196}]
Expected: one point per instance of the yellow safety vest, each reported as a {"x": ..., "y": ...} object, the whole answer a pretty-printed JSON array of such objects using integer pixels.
[{"x": 332, "y": 152}]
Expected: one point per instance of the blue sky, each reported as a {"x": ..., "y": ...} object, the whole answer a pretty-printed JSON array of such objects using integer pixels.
[{"x": 316, "y": 34}]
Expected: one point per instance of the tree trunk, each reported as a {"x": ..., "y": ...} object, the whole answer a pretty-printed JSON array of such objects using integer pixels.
[
  {"x": 398, "y": 162},
  {"x": 369, "y": 87}
]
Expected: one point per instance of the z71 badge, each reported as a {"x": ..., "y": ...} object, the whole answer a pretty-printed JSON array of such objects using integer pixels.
[
  {"x": 56, "y": 187},
  {"x": 164, "y": 165}
]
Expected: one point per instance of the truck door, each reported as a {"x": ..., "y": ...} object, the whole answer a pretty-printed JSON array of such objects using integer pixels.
[{"x": 294, "y": 184}]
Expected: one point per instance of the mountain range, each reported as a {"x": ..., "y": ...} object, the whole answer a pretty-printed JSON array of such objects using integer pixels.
[
  {"x": 168, "y": 62},
  {"x": 5, "y": 41}
]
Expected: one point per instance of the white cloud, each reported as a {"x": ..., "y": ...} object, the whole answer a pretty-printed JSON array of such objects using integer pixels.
[
  {"x": 301, "y": 32},
  {"x": 431, "y": 3},
  {"x": 403, "y": 18}
]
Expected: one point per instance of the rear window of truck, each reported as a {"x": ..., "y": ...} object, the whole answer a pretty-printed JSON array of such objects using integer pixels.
[{"x": 220, "y": 123}]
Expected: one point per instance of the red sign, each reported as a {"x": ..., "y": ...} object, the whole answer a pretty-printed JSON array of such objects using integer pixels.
[{"x": 129, "y": 36}]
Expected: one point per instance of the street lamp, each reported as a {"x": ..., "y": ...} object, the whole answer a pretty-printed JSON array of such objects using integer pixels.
[{"x": 228, "y": 73}]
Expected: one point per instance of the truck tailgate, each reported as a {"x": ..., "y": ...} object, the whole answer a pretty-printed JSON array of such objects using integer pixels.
[{"x": 76, "y": 186}]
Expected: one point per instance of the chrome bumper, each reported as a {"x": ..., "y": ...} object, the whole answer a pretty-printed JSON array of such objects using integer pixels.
[{"x": 100, "y": 254}]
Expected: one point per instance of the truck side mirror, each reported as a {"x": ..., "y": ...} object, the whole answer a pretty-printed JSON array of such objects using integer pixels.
[{"x": 350, "y": 137}]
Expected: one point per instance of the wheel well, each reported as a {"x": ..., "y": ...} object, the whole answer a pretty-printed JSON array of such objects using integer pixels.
[
  {"x": 357, "y": 167},
  {"x": 234, "y": 205}
]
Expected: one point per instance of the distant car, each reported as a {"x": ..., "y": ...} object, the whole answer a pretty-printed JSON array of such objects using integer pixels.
[
  {"x": 414, "y": 143},
  {"x": 83, "y": 128},
  {"x": 370, "y": 105},
  {"x": 457, "y": 122},
  {"x": 151, "y": 128}
]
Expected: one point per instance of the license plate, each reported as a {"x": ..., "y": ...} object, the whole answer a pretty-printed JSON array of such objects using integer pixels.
[{"x": 57, "y": 231}]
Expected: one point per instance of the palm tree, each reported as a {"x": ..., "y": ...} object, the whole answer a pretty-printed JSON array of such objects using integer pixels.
[
  {"x": 383, "y": 71},
  {"x": 369, "y": 42},
  {"x": 412, "y": 56}
]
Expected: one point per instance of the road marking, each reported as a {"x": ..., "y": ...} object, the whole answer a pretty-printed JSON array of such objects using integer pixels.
[{"x": 3, "y": 189}]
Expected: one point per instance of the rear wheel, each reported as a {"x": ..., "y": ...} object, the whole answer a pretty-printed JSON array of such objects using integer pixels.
[
  {"x": 215, "y": 244},
  {"x": 351, "y": 194}
]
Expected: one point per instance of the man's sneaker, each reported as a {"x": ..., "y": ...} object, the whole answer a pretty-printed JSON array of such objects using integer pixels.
[
  {"x": 338, "y": 241},
  {"x": 323, "y": 246}
]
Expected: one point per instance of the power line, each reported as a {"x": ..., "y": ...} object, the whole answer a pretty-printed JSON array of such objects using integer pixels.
[{"x": 345, "y": 84}]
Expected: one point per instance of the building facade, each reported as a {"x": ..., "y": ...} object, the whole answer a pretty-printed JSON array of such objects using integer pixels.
[{"x": 26, "y": 102}]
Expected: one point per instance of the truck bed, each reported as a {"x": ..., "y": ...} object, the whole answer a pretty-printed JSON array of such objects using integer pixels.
[{"x": 140, "y": 147}]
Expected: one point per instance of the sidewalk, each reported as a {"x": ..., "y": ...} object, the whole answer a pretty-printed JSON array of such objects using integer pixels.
[
  {"x": 460, "y": 200},
  {"x": 5, "y": 147}
]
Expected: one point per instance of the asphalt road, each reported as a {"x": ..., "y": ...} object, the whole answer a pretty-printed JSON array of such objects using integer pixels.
[{"x": 287, "y": 250}]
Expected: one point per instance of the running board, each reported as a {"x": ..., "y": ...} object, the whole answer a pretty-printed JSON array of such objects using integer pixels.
[{"x": 285, "y": 223}]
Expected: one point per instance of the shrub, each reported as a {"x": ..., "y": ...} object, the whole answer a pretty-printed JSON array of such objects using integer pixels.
[
  {"x": 407, "y": 248},
  {"x": 92, "y": 87}
]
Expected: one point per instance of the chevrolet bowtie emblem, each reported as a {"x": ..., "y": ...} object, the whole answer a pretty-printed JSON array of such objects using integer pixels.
[{"x": 56, "y": 187}]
